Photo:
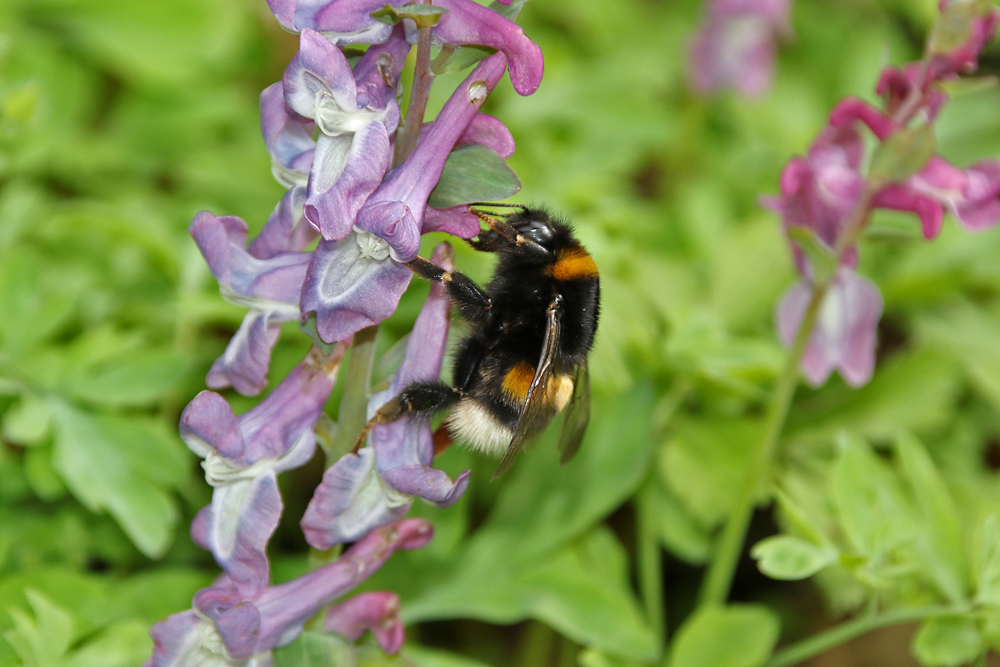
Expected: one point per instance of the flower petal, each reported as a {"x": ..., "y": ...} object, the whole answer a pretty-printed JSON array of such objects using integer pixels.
[
  {"x": 289, "y": 140},
  {"x": 377, "y": 612},
  {"x": 285, "y": 229},
  {"x": 247, "y": 357},
  {"x": 236, "y": 619},
  {"x": 351, "y": 501},
  {"x": 318, "y": 71},
  {"x": 349, "y": 290},
  {"x": 456, "y": 220},
  {"x": 490, "y": 132},
  {"x": 428, "y": 483}
]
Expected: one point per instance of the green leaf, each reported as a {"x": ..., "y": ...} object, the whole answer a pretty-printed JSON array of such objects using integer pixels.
[
  {"x": 427, "y": 657},
  {"x": 139, "y": 378},
  {"x": 313, "y": 649},
  {"x": 119, "y": 645},
  {"x": 27, "y": 421},
  {"x": 124, "y": 465},
  {"x": 941, "y": 542},
  {"x": 987, "y": 561},
  {"x": 902, "y": 154},
  {"x": 868, "y": 500},
  {"x": 41, "y": 641},
  {"x": 41, "y": 475},
  {"x": 473, "y": 173},
  {"x": 791, "y": 558},
  {"x": 734, "y": 636},
  {"x": 954, "y": 28},
  {"x": 677, "y": 529},
  {"x": 705, "y": 464},
  {"x": 31, "y": 310},
  {"x": 948, "y": 642}
]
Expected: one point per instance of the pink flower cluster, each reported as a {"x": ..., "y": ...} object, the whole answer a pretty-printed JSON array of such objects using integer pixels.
[{"x": 827, "y": 193}]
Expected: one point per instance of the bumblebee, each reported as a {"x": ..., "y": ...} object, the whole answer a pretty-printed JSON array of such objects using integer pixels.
[{"x": 525, "y": 357}]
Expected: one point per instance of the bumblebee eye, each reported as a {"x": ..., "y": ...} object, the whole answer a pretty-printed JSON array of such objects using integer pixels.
[{"x": 539, "y": 232}]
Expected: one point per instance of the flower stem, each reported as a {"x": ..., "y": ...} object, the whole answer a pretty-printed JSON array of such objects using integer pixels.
[
  {"x": 352, "y": 416},
  {"x": 719, "y": 579},
  {"x": 824, "y": 641},
  {"x": 420, "y": 91}
]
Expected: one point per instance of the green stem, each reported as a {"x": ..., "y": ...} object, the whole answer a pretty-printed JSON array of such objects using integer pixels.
[
  {"x": 650, "y": 564},
  {"x": 824, "y": 641},
  {"x": 352, "y": 417},
  {"x": 719, "y": 579},
  {"x": 420, "y": 92}
]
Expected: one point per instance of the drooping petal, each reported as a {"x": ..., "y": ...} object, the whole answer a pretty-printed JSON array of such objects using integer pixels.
[
  {"x": 180, "y": 641},
  {"x": 289, "y": 140},
  {"x": 319, "y": 79},
  {"x": 285, "y": 229},
  {"x": 457, "y": 221},
  {"x": 971, "y": 195},
  {"x": 395, "y": 211},
  {"x": 468, "y": 22},
  {"x": 236, "y": 619},
  {"x": 351, "y": 501},
  {"x": 345, "y": 21},
  {"x": 352, "y": 284},
  {"x": 844, "y": 336},
  {"x": 853, "y": 110},
  {"x": 429, "y": 483},
  {"x": 900, "y": 197},
  {"x": 208, "y": 425},
  {"x": 490, "y": 132},
  {"x": 244, "y": 364},
  {"x": 377, "y": 612}
]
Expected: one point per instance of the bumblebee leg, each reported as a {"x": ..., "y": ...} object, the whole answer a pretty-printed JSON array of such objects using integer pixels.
[
  {"x": 472, "y": 302},
  {"x": 421, "y": 398}
]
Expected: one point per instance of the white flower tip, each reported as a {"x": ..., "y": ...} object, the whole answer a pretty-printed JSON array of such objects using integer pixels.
[{"x": 478, "y": 90}]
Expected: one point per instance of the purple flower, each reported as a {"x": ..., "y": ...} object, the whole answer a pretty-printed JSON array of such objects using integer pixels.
[
  {"x": 227, "y": 628},
  {"x": 844, "y": 336},
  {"x": 288, "y": 138},
  {"x": 269, "y": 286},
  {"x": 377, "y": 485},
  {"x": 735, "y": 46},
  {"x": 242, "y": 459},
  {"x": 971, "y": 195},
  {"x": 352, "y": 150},
  {"x": 465, "y": 22}
]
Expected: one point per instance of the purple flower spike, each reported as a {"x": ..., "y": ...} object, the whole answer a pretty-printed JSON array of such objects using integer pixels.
[
  {"x": 352, "y": 284},
  {"x": 845, "y": 334},
  {"x": 395, "y": 211},
  {"x": 352, "y": 149},
  {"x": 376, "y": 485},
  {"x": 376, "y": 612},
  {"x": 242, "y": 459},
  {"x": 229, "y": 629},
  {"x": 269, "y": 286}
]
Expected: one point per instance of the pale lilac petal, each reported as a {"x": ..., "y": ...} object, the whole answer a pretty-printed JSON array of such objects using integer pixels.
[
  {"x": 289, "y": 140},
  {"x": 244, "y": 364},
  {"x": 236, "y": 619},
  {"x": 284, "y": 11},
  {"x": 377, "y": 612},
  {"x": 319, "y": 71},
  {"x": 208, "y": 425},
  {"x": 737, "y": 52},
  {"x": 237, "y": 526},
  {"x": 490, "y": 132},
  {"x": 467, "y": 22},
  {"x": 407, "y": 187},
  {"x": 345, "y": 21},
  {"x": 971, "y": 195},
  {"x": 457, "y": 221},
  {"x": 377, "y": 75},
  {"x": 285, "y": 229},
  {"x": 408, "y": 440},
  {"x": 349, "y": 289},
  {"x": 351, "y": 501},
  {"x": 177, "y": 642},
  {"x": 431, "y": 484},
  {"x": 286, "y": 607},
  {"x": 844, "y": 337},
  {"x": 346, "y": 170},
  {"x": 271, "y": 284}
]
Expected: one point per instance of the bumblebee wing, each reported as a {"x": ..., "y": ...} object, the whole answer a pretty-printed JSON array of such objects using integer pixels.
[
  {"x": 533, "y": 412},
  {"x": 577, "y": 415}
]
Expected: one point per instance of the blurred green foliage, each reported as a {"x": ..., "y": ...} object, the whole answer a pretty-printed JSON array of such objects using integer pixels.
[{"x": 120, "y": 120}]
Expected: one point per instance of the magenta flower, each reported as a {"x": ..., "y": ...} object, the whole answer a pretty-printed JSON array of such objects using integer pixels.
[
  {"x": 227, "y": 628},
  {"x": 845, "y": 333},
  {"x": 243, "y": 456},
  {"x": 735, "y": 46},
  {"x": 378, "y": 484}
]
